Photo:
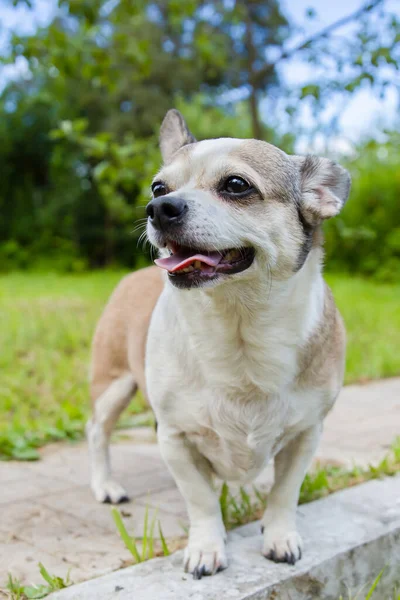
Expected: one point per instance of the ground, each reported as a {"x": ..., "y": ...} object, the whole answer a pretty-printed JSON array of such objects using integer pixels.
[
  {"x": 48, "y": 513},
  {"x": 48, "y": 321}
]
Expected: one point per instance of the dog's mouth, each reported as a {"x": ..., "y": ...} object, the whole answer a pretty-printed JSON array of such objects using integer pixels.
[{"x": 192, "y": 267}]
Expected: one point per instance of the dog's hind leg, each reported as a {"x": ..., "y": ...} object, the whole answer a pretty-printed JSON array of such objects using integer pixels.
[{"x": 106, "y": 410}]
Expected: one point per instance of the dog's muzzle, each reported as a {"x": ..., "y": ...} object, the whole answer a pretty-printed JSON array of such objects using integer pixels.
[{"x": 165, "y": 213}]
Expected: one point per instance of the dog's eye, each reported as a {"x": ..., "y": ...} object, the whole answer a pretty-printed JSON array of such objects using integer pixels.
[
  {"x": 235, "y": 185},
  {"x": 159, "y": 189}
]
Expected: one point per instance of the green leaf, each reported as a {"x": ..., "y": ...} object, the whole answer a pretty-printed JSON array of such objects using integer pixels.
[
  {"x": 223, "y": 502},
  {"x": 44, "y": 573},
  {"x": 145, "y": 527},
  {"x": 163, "y": 542},
  {"x": 371, "y": 591},
  {"x": 25, "y": 454},
  {"x": 151, "y": 535},
  {"x": 311, "y": 90},
  {"x": 37, "y": 591},
  {"x": 129, "y": 542}
]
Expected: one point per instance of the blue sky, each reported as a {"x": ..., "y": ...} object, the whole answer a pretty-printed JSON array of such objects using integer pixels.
[{"x": 359, "y": 115}]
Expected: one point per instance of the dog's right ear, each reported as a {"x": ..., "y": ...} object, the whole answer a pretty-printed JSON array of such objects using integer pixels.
[{"x": 174, "y": 134}]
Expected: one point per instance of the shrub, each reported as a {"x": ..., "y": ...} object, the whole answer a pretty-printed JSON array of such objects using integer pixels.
[{"x": 365, "y": 237}]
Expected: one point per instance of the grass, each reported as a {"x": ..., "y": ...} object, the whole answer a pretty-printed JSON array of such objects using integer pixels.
[
  {"x": 243, "y": 507},
  {"x": 372, "y": 316},
  {"x": 47, "y": 321},
  {"x": 17, "y": 591},
  {"x": 47, "y": 325},
  {"x": 370, "y": 593},
  {"x": 147, "y": 548}
]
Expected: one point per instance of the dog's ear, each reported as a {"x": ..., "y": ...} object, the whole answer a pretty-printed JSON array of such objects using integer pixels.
[
  {"x": 174, "y": 134},
  {"x": 325, "y": 187}
]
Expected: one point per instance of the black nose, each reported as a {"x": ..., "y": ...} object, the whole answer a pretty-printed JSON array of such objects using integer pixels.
[{"x": 164, "y": 212}]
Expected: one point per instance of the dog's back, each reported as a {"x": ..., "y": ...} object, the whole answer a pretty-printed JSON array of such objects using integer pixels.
[{"x": 120, "y": 337}]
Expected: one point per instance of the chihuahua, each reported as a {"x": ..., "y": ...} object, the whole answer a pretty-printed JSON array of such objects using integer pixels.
[{"x": 234, "y": 337}]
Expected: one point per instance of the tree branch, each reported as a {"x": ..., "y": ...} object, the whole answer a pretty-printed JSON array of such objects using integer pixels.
[{"x": 317, "y": 36}]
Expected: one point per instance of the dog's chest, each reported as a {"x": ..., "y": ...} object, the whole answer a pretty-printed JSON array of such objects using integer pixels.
[
  {"x": 246, "y": 356},
  {"x": 239, "y": 411},
  {"x": 238, "y": 435}
]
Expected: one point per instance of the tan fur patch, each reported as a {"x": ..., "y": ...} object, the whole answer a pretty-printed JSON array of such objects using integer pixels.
[{"x": 322, "y": 359}]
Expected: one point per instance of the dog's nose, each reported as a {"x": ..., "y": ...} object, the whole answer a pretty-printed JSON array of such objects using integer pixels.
[{"x": 164, "y": 212}]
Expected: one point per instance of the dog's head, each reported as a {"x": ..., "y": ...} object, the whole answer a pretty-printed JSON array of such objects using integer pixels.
[{"x": 223, "y": 208}]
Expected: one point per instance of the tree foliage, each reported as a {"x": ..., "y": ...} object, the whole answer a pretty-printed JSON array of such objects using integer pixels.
[{"x": 80, "y": 125}]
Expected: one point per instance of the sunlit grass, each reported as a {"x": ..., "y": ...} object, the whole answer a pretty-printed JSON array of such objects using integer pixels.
[
  {"x": 371, "y": 311},
  {"x": 47, "y": 322}
]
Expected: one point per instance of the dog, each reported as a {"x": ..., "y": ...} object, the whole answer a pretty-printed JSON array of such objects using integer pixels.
[{"x": 235, "y": 338}]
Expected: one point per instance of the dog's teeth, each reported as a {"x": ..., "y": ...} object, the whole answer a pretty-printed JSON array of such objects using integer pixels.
[
  {"x": 229, "y": 255},
  {"x": 197, "y": 264},
  {"x": 186, "y": 269}
]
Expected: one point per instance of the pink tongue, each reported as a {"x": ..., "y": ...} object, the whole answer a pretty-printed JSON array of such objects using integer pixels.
[{"x": 180, "y": 260}]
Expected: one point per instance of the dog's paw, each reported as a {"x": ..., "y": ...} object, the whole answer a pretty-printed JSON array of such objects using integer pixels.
[
  {"x": 206, "y": 561},
  {"x": 282, "y": 545},
  {"x": 109, "y": 491},
  {"x": 205, "y": 553}
]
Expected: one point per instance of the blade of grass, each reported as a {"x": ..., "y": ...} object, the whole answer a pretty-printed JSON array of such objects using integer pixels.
[
  {"x": 129, "y": 542},
  {"x": 371, "y": 591},
  {"x": 262, "y": 498},
  {"x": 163, "y": 542},
  {"x": 151, "y": 534},
  {"x": 14, "y": 587},
  {"x": 245, "y": 499},
  {"x": 223, "y": 501},
  {"x": 145, "y": 527},
  {"x": 46, "y": 575}
]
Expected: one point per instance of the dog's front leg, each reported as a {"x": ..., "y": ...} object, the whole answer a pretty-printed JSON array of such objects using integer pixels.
[
  {"x": 205, "y": 553},
  {"x": 282, "y": 543}
]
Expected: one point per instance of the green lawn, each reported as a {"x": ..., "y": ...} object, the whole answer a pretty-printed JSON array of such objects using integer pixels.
[{"x": 46, "y": 327}]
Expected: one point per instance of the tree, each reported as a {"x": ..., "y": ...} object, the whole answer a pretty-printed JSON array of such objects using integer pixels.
[{"x": 101, "y": 76}]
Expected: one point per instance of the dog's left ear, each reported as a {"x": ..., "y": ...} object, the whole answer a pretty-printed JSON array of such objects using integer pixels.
[
  {"x": 325, "y": 187},
  {"x": 174, "y": 134}
]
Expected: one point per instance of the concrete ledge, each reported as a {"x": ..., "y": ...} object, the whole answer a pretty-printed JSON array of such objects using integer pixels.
[{"x": 349, "y": 538}]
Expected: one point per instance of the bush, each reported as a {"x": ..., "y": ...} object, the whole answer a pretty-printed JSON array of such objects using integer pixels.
[{"x": 365, "y": 237}]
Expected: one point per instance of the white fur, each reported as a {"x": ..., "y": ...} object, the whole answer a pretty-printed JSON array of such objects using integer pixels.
[
  {"x": 227, "y": 389},
  {"x": 222, "y": 361},
  {"x": 98, "y": 430}
]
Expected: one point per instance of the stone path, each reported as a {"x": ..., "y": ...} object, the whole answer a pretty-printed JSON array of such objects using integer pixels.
[{"x": 47, "y": 512}]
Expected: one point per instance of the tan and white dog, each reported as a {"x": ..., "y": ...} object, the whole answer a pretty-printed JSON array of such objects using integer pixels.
[{"x": 236, "y": 340}]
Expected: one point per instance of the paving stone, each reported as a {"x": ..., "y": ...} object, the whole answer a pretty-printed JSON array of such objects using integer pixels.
[
  {"x": 30, "y": 485},
  {"x": 70, "y": 462},
  {"x": 41, "y": 526},
  {"x": 344, "y": 549},
  {"x": 66, "y": 538},
  {"x": 169, "y": 500},
  {"x": 79, "y": 503},
  {"x": 363, "y": 423},
  {"x": 12, "y": 471},
  {"x": 21, "y": 560}
]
